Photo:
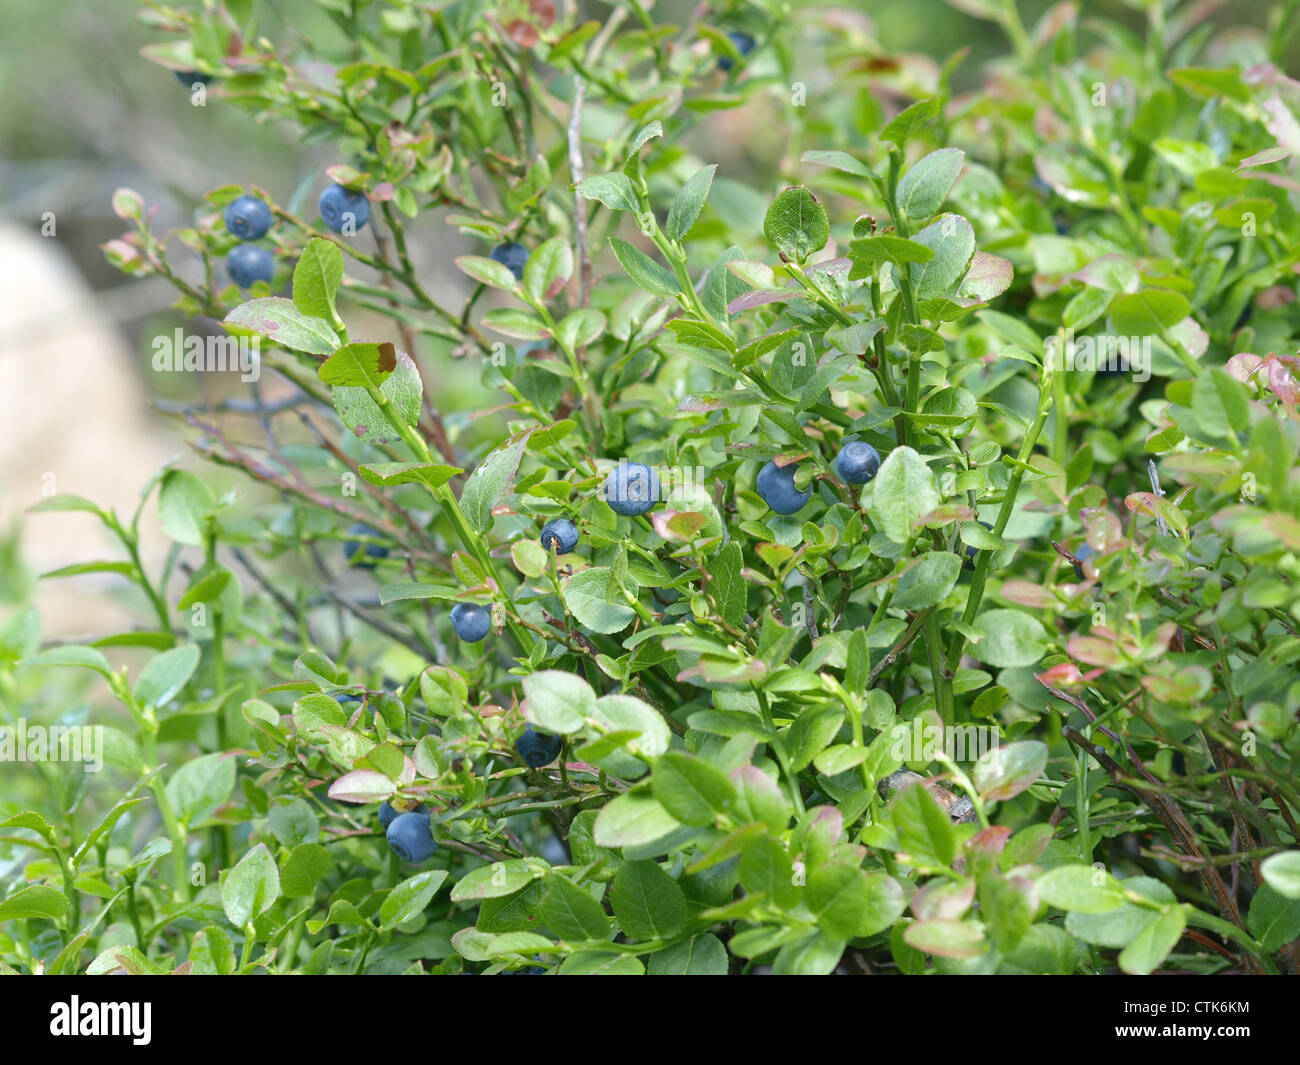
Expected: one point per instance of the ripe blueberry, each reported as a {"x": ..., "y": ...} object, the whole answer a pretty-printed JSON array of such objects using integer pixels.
[
  {"x": 372, "y": 551},
  {"x": 857, "y": 462},
  {"x": 411, "y": 838},
  {"x": 248, "y": 218},
  {"x": 776, "y": 486},
  {"x": 247, "y": 263},
  {"x": 631, "y": 488},
  {"x": 744, "y": 45},
  {"x": 471, "y": 621},
  {"x": 538, "y": 748},
  {"x": 559, "y": 535},
  {"x": 512, "y": 256},
  {"x": 339, "y": 206}
]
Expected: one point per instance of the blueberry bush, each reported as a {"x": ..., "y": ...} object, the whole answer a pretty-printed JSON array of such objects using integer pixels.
[{"x": 878, "y": 554}]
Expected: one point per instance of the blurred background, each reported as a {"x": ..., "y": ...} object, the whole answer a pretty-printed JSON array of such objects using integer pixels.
[{"x": 82, "y": 113}]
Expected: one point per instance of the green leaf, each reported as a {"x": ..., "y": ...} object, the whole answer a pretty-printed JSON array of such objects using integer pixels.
[
  {"x": 599, "y": 963},
  {"x": 580, "y": 327},
  {"x": 409, "y": 898},
  {"x": 1080, "y": 888},
  {"x": 251, "y": 887},
  {"x": 631, "y": 820},
  {"x": 207, "y": 589},
  {"x": 302, "y": 869},
  {"x": 837, "y": 160},
  {"x": 812, "y": 730},
  {"x": 165, "y": 675},
  {"x": 1148, "y": 313},
  {"x": 849, "y": 902},
  {"x": 490, "y": 483},
  {"x": 185, "y": 504},
  {"x": 1004, "y": 772},
  {"x": 945, "y": 937},
  {"x": 726, "y": 584},
  {"x": 201, "y": 785},
  {"x": 558, "y": 702},
  {"x": 1274, "y": 919},
  {"x": 627, "y": 713},
  {"x": 909, "y": 120},
  {"x": 499, "y": 879},
  {"x": 924, "y": 829},
  {"x": 647, "y": 902},
  {"x": 614, "y": 190},
  {"x": 586, "y": 599},
  {"x": 35, "y": 901},
  {"x": 71, "y": 655},
  {"x": 571, "y": 913},
  {"x": 1221, "y": 405},
  {"x": 488, "y": 271},
  {"x": 316, "y": 279},
  {"x": 1152, "y": 945},
  {"x": 690, "y": 789},
  {"x": 547, "y": 269},
  {"x": 870, "y": 253},
  {"x": 388, "y": 474},
  {"x": 360, "y": 365},
  {"x": 928, "y": 581},
  {"x": 922, "y": 190},
  {"x": 904, "y": 491},
  {"x": 279, "y": 320},
  {"x": 648, "y": 274},
  {"x": 815, "y": 954},
  {"x": 688, "y": 204},
  {"x": 702, "y": 955},
  {"x": 362, "y": 415},
  {"x": 1282, "y": 873},
  {"x": 796, "y": 224},
  {"x": 1011, "y": 638},
  {"x": 952, "y": 240}
]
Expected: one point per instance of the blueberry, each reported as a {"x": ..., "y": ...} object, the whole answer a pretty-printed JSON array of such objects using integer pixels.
[
  {"x": 527, "y": 970},
  {"x": 372, "y": 551},
  {"x": 1083, "y": 553},
  {"x": 189, "y": 77},
  {"x": 857, "y": 463},
  {"x": 559, "y": 535},
  {"x": 538, "y": 748},
  {"x": 248, "y": 218},
  {"x": 471, "y": 621},
  {"x": 631, "y": 488},
  {"x": 512, "y": 256},
  {"x": 247, "y": 263},
  {"x": 410, "y": 837},
  {"x": 776, "y": 486},
  {"x": 744, "y": 45},
  {"x": 339, "y": 207}
]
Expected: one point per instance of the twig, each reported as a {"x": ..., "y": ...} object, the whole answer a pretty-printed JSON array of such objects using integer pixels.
[{"x": 579, "y": 203}]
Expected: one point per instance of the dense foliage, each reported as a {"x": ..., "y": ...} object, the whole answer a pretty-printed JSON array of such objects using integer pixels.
[{"x": 1017, "y": 693}]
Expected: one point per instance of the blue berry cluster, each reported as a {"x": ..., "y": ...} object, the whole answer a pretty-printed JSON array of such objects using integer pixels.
[{"x": 249, "y": 219}]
